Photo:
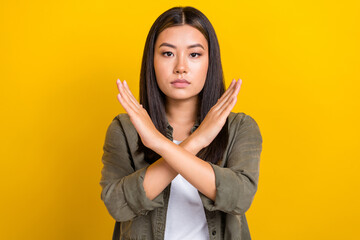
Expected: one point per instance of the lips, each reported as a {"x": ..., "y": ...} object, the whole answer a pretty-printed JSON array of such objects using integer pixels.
[{"x": 180, "y": 81}]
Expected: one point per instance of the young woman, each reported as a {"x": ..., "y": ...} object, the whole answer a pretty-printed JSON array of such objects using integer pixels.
[{"x": 180, "y": 164}]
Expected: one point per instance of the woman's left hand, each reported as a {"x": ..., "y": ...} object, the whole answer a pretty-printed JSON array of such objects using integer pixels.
[{"x": 138, "y": 116}]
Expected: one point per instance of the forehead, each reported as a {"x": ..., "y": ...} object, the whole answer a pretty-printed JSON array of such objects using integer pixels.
[{"x": 181, "y": 36}]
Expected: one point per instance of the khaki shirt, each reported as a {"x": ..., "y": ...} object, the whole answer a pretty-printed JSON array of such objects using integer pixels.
[{"x": 138, "y": 217}]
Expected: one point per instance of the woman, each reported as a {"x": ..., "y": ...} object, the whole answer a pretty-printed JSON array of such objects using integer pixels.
[{"x": 180, "y": 164}]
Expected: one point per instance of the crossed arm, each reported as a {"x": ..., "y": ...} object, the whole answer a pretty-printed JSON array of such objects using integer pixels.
[
  {"x": 123, "y": 187},
  {"x": 162, "y": 172}
]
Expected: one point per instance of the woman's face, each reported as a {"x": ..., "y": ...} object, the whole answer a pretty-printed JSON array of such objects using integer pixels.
[{"x": 181, "y": 52}]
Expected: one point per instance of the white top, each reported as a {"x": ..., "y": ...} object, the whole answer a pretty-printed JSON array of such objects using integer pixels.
[{"x": 185, "y": 218}]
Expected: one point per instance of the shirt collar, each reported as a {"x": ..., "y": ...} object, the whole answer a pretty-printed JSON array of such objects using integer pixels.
[{"x": 169, "y": 128}]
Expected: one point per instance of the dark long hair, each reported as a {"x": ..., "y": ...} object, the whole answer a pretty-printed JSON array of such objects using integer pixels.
[{"x": 153, "y": 99}]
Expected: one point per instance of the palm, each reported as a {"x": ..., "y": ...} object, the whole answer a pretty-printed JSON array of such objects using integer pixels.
[{"x": 216, "y": 117}]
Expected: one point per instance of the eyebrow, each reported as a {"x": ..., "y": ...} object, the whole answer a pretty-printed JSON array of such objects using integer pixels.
[{"x": 190, "y": 46}]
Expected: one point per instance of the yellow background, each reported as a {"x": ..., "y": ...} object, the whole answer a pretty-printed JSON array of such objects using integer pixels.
[{"x": 299, "y": 62}]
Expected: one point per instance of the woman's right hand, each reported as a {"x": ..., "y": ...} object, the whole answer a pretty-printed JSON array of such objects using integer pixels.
[{"x": 216, "y": 117}]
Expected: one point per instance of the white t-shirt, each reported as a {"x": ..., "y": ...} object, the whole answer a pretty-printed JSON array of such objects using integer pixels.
[{"x": 185, "y": 218}]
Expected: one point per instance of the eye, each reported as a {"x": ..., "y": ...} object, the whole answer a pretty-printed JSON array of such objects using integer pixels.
[
  {"x": 166, "y": 54},
  {"x": 192, "y": 54}
]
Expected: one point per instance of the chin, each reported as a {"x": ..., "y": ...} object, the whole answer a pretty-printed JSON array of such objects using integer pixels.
[{"x": 180, "y": 97}]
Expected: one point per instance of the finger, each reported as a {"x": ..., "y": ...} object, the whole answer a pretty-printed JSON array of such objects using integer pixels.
[
  {"x": 134, "y": 104},
  {"x": 226, "y": 97},
  {"x": 230, "y": 103},
  {"x": 125, "y": 97},
  {"x": 228, "y": 107},
  {"x": 124, "y": 104},
  {"x": 227, "y": 90},
  {"x": 131, "y": 96},
  {"x": 223, "y": 98},
  {"x": 236, "y": 88}
]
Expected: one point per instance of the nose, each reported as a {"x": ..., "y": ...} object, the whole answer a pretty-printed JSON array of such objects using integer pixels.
[{"x": 181, "y": 65}]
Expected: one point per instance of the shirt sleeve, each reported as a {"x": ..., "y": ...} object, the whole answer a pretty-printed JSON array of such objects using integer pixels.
[
  {"x": 122, "y": 187},
  {"x": 236, "y": 183}
]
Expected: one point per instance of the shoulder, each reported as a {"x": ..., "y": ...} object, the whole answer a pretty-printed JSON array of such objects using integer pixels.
[
  {"x": 239, "y": 118},
  {"x": 123, "y": 119},
  {"x": 123, "y": 123},
  {"x": 118, "y": 125},
  {"x": 240, "y": 121}
]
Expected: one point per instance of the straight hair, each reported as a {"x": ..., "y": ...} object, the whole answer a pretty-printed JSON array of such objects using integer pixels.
[{"x": 153, "y": 99}]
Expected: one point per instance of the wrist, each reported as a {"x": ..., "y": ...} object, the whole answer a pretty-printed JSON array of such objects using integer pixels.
[
  {"x": 158, "y": 143},
  {"x": 193, "y": 143}
]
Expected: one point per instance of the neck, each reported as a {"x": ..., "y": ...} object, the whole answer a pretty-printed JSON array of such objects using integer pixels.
[{"x": 181, "y": 112}]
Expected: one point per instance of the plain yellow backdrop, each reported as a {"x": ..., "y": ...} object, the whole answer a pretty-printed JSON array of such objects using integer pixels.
[{"x": 299, "y": 62}]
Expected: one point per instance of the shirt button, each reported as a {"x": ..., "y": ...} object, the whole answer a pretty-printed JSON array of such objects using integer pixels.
[{"x": 213, "y": 233}]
